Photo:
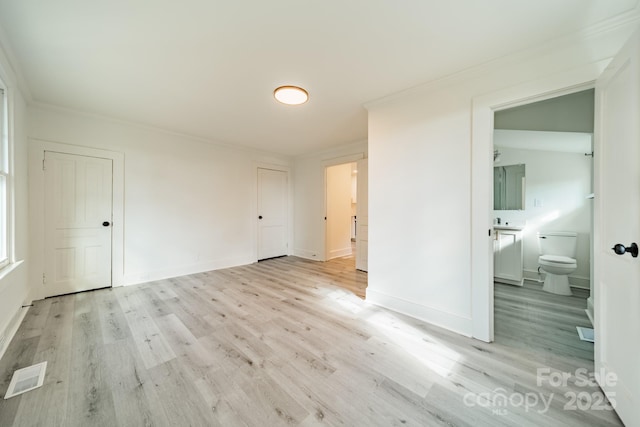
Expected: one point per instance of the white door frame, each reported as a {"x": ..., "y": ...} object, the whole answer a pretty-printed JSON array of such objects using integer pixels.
[
  {"x": 326, "y": 164},
  {"x": 362, "y": 212},
  {"x": 483, "y": 109},
  {"x": 37, "y": 149},
  {"x": 254, "y": 204}
]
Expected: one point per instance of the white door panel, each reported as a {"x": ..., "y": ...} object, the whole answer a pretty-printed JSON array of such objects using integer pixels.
[
  {"x": 617, "y": 291},
  {"x": 78, "y": 200},
  {"x": 362, "y": 216},
  {"x": 272, "y": 213}
]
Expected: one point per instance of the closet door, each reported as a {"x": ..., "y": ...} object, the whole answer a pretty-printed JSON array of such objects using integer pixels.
[{"x": 272, "y": 213}]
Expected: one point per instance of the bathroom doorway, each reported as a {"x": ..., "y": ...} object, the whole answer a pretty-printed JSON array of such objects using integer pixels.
[{"x": 547, "y": 147}]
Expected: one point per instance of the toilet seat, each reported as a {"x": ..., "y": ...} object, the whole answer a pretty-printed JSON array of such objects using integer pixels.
[{"x": 557, "y": 260}]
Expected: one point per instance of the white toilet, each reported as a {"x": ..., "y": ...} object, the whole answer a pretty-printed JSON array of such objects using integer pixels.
[{"x": 558, "y": 260}]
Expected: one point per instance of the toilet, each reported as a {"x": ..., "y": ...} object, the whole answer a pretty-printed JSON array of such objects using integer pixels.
[{"x": 557, "y": 259}]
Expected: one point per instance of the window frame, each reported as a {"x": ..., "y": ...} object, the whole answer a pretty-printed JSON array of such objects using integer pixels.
[{"x": 6, "y": 179}]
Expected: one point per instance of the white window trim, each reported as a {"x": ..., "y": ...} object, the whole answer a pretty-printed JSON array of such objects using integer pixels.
[{"x": 6, "y": 170}]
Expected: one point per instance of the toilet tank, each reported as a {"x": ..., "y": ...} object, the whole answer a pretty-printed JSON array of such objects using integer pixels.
[{"x": 562, "y": 243}]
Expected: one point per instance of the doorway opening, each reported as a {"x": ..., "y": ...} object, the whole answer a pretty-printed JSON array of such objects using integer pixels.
[
  {"x": 346, "y": 222},
  {"x": 543, "y": 189},
  {"x": 341, "y": 209}
]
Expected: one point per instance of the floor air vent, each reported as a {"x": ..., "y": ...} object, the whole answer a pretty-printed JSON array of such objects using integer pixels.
[
  {"x": 586, "y": 334},
  {"x": 26, "y": 379}
]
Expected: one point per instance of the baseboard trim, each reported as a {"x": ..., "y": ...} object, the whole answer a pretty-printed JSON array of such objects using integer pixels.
[
  {"x": 340, "y": 253},
  {"x": 12, "y": 328},
  {"x": 307, "y": 254},
  {"x": 574, "y": 281},
  {"x": 452, "y": 322},
  {"x": 509, "y": 281},
  {"x": 589, "y": 310},
  {"x": 135, "y": 279}
]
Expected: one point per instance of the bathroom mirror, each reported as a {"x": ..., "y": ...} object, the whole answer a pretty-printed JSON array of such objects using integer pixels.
[{"x": 508, "y": 187}]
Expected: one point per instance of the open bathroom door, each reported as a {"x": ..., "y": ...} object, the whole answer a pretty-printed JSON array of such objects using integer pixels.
[
  {"x": 362, "y": 215},
  {"x": 617, "y": 219}
]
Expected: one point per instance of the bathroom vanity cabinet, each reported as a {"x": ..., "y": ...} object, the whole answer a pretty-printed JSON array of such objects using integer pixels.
[{"x": 507, "y": 255}]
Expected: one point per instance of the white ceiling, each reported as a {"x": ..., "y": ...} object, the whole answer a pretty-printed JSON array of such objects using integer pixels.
[{"x": 208, "y": 67}]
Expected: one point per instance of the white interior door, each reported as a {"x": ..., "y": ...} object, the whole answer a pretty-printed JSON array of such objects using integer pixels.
[
  {"x": 617, "y": 219},
  {"x": 78, "y": 215},
  {"x": 362, "y": 216},
  {"x": 272, "y": 213}
]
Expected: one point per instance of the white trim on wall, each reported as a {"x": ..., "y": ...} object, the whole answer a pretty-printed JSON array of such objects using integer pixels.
[
  {"x": 342, "y": 160},
  {"x": 11, "y": 329},
  {"x": 37, "y": 149},
  {"x": 451, "y": 321},
  {"x": 595, "y": 31},
  {"x": 483, "y": 108}
]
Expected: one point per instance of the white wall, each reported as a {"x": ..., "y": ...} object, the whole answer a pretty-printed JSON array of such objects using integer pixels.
[
  {"x": 560, "y": 182},
  {"x": 309, "y": 187},
  {"x": 419, "y": 203},
  {"x": 189, "y": 205},
  {"x": 14, "y": 288},
  {"x": 339, "y": 191},
  {"x": 420, "y": 158}
]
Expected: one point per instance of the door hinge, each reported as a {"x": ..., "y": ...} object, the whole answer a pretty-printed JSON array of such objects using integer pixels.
[
  {"x": 44, "y": 279},
  {"x": 44, "y": 167}
]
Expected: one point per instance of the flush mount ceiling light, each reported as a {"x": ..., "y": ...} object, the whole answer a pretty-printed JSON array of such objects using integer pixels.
[{"x": 291, "y": 95}]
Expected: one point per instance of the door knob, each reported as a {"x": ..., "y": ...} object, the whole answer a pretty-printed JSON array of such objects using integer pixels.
[
  {"x": 260, "y": 217},
  {"x": 620, "y": 249},
  {"x": 106, "y": 224}
]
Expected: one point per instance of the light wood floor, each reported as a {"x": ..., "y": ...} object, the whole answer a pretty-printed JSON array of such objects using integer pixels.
[{"x": 273, "y": 343}]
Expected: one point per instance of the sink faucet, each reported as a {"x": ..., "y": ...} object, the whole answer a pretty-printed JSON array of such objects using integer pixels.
[{"x": 498, "y": 219}]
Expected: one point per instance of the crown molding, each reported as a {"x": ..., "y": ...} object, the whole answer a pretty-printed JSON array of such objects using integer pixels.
[
  {"x": 151, "y": 128},
  {"x": 627, "y": 20},
  {"x": 347, "y": 147}
]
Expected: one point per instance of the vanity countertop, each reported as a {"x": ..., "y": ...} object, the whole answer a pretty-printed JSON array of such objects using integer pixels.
[{"x": 508, "y": 227}]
